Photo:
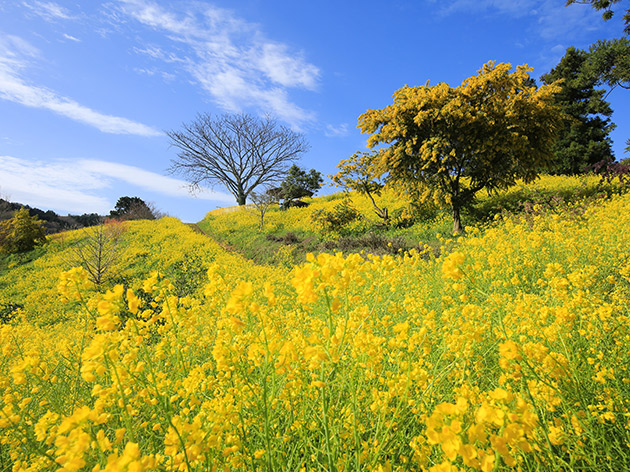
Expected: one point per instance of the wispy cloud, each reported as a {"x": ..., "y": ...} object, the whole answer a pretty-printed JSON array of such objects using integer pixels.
[
  {"x": 50, "y": 11},
  {"x": 168, "y": 77},
  {"x": 552, "y": 19},
  {"x": 338, "y": 131},
  {"x": 557, "y": 21},
  {"x": 77, "y": 186},
  {"x": 60, "y": 187},
  {"x": 511, "y": 7},
  {"x": 71, "y": 38},
  {"x": 149, "y": 180},
  {"x": 14, "y": 54},
  {"x": 232, "y": 60}
]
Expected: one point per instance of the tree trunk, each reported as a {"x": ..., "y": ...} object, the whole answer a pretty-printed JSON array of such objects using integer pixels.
[
  {"x": 457, "y": 220},
  {"x": 241, "y": 199}
]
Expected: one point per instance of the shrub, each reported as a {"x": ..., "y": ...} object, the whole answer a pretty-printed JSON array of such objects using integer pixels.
[
  {"x": 336, "y": 220},
  {"x": 289, "y": 238},
  {"x": 21, "y": 233},
  {"x": 370, "y": 243},
  {"x": 8, "y": 311}
]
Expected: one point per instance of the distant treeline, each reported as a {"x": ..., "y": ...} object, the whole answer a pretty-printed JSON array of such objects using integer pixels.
[{"x": 53, "y": 222}]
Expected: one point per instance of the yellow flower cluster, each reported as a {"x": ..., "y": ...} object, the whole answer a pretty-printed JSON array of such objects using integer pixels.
[{"x": 507, "y": 353}]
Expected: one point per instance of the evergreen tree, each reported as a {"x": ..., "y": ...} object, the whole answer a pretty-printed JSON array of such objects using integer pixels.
[
  {"x": 584, "y": 139},
  {"x": 299, "y": 184},
  {"x": 132, "y": 208},
  {"x": 609, "y": 62}
]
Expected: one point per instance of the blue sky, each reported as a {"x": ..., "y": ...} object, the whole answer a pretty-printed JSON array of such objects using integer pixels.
[{"x": 87, "y": 88}]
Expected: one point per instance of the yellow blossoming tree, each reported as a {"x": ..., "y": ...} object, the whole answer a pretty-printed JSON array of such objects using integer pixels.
[
  {"x": 21, "y": 233},
  {"x": 449, "y": 143}
]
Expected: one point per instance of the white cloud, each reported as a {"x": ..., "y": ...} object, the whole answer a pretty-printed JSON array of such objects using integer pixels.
[
  {"x": 13, "y": 49},
  {"x": 168, "y": 77},
  {"x": 553, "y": 19},
  {"x": 77, "y": 186},
  {"x": 61, "y": 187},
  {"x": 549, "y": 58},
  {"x": 336, "y": 131},
  {"x": 557, "y": 21},
  {"x": 511, "y": 7},
  {"x": 14, "y": 88},
  {"x": 281, "y": 67},
  {"x": 71, "y": 38},
  {"x": 230, "y": 58},
  {"x": 149, "y": 180},
  {"x": 50, "y": 11}
]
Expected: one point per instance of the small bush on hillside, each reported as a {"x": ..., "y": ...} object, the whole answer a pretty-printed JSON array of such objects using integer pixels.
[
  {"x": 611, "y": 171},
  {"x": 8, "y": 311},
  {"x": 187, "y": 275},
  {"x": 289, "y": 238},
  {"x": 22, "y": 233},
  {"x": 337, "y": 220},
  {"x": 260, "y": 205}
]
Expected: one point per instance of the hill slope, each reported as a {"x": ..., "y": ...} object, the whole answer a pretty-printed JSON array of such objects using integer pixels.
[
  {"x": 508, "y": 351},
  {"x": 287, "y": 236}
]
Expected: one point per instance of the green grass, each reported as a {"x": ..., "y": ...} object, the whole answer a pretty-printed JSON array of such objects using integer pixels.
[{"x": 288, "y": 236}]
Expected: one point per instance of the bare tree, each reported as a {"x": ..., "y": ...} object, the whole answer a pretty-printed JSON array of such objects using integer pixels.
[
  {"x": 100, "y": 251},
  {"x": 238, "y": 151},
  {"x": 261, "y": 203}
]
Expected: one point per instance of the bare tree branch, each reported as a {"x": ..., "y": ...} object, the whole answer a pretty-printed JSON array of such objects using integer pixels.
[
  {"x": 100, "y": 251},
  {"x": 238, "y": 151}
]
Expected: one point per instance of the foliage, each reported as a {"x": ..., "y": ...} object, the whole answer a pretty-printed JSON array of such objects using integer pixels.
[
  {"x": 609, "y": 62},
  {"x": 357, "y": 173},
  {"x": 187, "y": 275},
  {"x": 609, "y": 171},
  {"x": 133, "y": 208},
  {"x": 166, "y": 245},
  {"x": 584, "y": 138},
  {"x": 492, "y": 130},
  {"x": 53, "y": 223},
  {"x": 99, "y": 252},
  {"x": 336, "y": 220},
  {"x": 8, "y": 311},
  {"x": 87, "y": 219},
  {"x": 299, "y": 184},
  {"x": 237, "y": 151},
  {"x": 21, "y": 233},
  {"x": 607, "y": 7},
  {"x": 506, "y": 352},
  {"x": 373, "y": 243},
  {"x": 239, "y": 229}
]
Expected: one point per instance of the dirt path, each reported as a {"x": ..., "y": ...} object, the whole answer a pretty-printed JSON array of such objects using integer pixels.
[{"x": 197, "y": 229}]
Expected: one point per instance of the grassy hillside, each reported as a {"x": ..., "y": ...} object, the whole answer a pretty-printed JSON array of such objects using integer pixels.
[
  {"x": 287, "y": 236},
  {"x": 167, "y": 246},
  {"x": 508, "y": 351}
]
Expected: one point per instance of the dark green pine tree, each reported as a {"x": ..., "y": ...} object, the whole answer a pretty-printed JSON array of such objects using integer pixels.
[{"x": 585, "y": 138}]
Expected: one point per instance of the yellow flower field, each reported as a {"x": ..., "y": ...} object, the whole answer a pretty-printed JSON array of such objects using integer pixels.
[
  {"x": 509, "y": 351},
  {"x": 223, "y": 223}
]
